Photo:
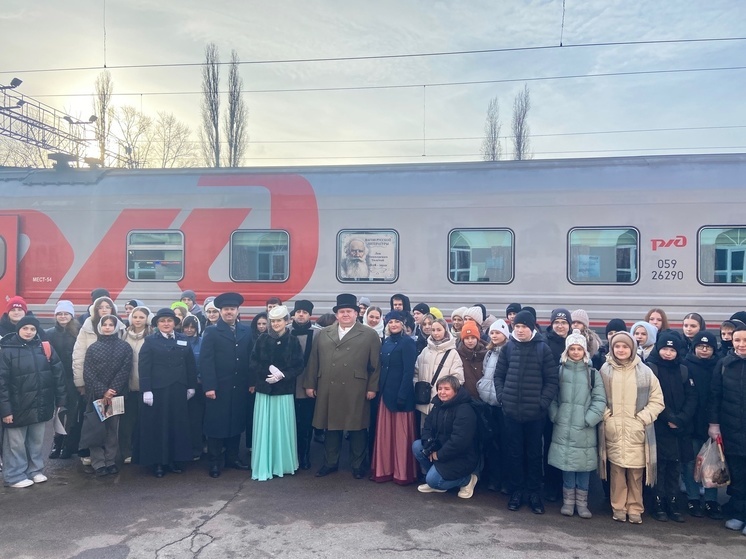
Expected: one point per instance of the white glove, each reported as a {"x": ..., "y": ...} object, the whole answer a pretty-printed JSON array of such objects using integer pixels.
[
  {"x": 147, "y": 398},
  {"x": 714, "y": 431},
  {"x": 275, "y": 375},
  {"x": 190, "y": 393}
]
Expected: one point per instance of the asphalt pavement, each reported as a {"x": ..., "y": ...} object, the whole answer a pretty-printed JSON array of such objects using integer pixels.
[{"x": 190, "y": 515}]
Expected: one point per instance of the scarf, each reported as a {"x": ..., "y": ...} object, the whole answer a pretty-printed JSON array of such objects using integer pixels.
[
  {"x": 643, "y": 379},
  {"x": 299, "y": 330}
]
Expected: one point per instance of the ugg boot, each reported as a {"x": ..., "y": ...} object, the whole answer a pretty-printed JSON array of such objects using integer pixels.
[
  {"x": 56, "y": 446},
  {"x": 568, "y": 502},
  {"x": 581, "y": 503}
]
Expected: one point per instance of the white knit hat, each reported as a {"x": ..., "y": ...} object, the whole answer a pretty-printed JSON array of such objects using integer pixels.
[
  {"x": 459, "y": 312},
  {"x": 501, "y": 326},
  {"x": 576, "y": 338},
  {"x": 581, "y": 316},
  {"x": 65, "y": 306},
  {"x": 474, "y": 313}
]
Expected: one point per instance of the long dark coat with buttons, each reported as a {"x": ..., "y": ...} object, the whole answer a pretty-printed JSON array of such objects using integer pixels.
[
  {"x": 341, "y": 372},
  {"x": 224, "y": 367}
]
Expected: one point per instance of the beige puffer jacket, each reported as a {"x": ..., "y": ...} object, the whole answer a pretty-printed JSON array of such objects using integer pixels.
[{"x": 428, "y": 361}]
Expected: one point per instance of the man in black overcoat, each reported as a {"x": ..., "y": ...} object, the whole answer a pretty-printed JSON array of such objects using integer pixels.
[{"x": 224, "y": 367}]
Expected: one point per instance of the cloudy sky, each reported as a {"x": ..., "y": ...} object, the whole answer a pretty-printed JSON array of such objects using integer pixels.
[{"x": 382, "y": 110}]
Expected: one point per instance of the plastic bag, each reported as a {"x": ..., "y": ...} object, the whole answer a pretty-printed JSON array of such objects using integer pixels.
[{"x": 710, "y": 468}]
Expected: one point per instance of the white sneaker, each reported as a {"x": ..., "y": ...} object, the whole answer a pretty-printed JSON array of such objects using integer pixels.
[
  {"x": 85, "y": 460},
  {"x": 735, "y": 524},
  {"x": 425, "y": 488},
  {"x": 23, "y": 483},
  {"x": 128, "y": 460},
  {"x": 40, "y": 478},
  {"x": 468, "y": 490}
]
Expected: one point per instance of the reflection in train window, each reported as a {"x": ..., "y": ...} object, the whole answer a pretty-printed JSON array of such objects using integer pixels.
[
  {"x": 155, "y": 255},
  {"x": 3, "y": 257},
  {"x": 722, "y": 255},
  {"x": 603, "y": 255},
  {"x": 259, "y": 256},
  {"x": 480, "y": 255}
]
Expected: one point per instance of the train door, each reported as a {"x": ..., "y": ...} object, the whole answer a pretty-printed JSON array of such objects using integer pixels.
[{"x": 8, "y": 256}]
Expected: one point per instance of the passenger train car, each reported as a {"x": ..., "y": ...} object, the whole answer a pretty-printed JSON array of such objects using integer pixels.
[{"x": 614, "y": 236}]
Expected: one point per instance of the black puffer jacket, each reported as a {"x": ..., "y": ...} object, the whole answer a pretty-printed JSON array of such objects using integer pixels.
[
  {"x": 526, "y": 379},
  {"x": 454, "y": 425},
  {"x": 30, "y": 385},
  {"x": 108, "y": 364},
  {"x": 700, "y": 371},
  {"x": 728, "y": 402},
  {"x": 63, "y": 343},
  {"x": 556, "y": 343},
  {"x": 283, "y": 352}
]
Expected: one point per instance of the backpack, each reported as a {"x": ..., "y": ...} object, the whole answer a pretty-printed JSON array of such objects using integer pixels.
[
  {"x": 485, "y": 434},
  {"x": 47, "y": 347}
]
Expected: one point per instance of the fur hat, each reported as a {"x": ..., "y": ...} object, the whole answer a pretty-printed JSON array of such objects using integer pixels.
[
  {"x": 459, "y": 312},
  {"x": 512, "y": 307},
  {"x": 526, "y": 318},
  {"x": 346, "y": 301},
  {"x": 474, "y": 313},
  {"x": 469, "y": 329},
  {"x": 280, "y": 312},
  {"x": 560, "y": 314},
  {"x": 705, "y": 337},
  {"x": 65, "y": 306},
  {"x": 16, "y": 302},
  {"x": 29, "y": 319},
  {"x": 303, "y": 305},
  {"x": 616, "y": 325},
  {"x": 581, "y": 316},
  {"x": 501, "y": 326}
]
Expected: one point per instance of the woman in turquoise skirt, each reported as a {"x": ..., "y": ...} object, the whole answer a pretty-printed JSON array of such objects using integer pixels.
[{"x": 276, "y": 362}]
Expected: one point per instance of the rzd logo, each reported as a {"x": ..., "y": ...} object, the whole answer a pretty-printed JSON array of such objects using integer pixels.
[{"x": 678, "y": 241}]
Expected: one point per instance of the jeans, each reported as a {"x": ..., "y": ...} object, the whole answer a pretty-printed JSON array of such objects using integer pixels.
[
  {"x": 692, "y": 487},
  {"x": 576, "y": 480},
  {"x": 433, "y": 478},
  {"x": 523, "y": 445},
  {"x": 22, "y": 456}
]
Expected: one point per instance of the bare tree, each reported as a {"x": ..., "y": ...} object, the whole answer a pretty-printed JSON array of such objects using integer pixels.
[
  {"x": 103, "y": 110},
  {"x": 210, "y": 132},
  {"x": 237, "y": 116},
  {"x": 171, "y": 143},
  {"x": 15, "y": 153},
  {"x": 521, "y": 106},
  {"x": 491, "y": 148},
  {"x": 134, "y": 136}
]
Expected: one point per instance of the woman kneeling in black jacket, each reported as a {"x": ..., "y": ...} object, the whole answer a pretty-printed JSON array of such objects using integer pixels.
[{"x": 448, "y": 449}]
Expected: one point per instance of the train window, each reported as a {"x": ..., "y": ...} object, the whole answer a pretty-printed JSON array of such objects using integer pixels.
[
  {"x": 3, "y": 257},
  {"x": 368, "y": 255},
  {"x": 259, "y": 256},
  {"x": 480, "y": 255},
  {"x": 155, "y": 255},
  {"x": 603, "y": 255},
  {"x": 722, "y": 255}
]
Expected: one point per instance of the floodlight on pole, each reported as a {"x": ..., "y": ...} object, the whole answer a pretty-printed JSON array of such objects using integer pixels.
[
  {"x": 71, "y": 120},
  {"x": 15, "y": 82},
  {"x": 18, "y": 105}
]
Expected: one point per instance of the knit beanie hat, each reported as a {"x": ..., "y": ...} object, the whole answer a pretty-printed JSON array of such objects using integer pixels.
[
  {"x": 484, "y": 311},
  {"x": 649, "y": 328},
  {"x": 436, "y": 312},
  {"x": 365, "y": 301},
  {"x": 501, "y": 326},
  {"x": 667, "y": 338},
  {"x": 512, "y": 307},
  {"x": 526, "y": 318},
  {"x": 740, "y": 316},
  {"x": 474, "y": 313},
  {"x": 28, "y": 319},
  {"x": 705, "y": 337},
  {"x": 624, "y": 337},
  {"x": 65, "y": 306},
  {"x": 16, "y": 302},
  {"x": 188, "y": 294},
  {"x": 179, "y": 304},
  {"x": 560, "y": 314},
  {"x": 531, "y": 310},
  {"x": 581, "y": 316},
  {"x": 616, "y": 325},
  {"x": 459, "y": 312},
  {"x": 98, "y": 293},
  {"x": 470, "y": 328},
  {"x": 421, "y": 307},
  {"x": 576, "y": 338}
]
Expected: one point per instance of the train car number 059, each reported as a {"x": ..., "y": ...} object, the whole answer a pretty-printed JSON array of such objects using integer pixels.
[{"x": 667, "y": 270}]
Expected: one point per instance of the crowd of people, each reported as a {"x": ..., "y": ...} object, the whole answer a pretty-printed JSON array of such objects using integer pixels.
[{"x": 528, "y": 411}]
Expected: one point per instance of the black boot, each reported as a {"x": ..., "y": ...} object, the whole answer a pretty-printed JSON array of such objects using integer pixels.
[
  {"x": 56, "y": 446},
  {"x": 304, "y": 454},
  {"x": 659, "y": 510},
  {"x": 673, "y": 510}
]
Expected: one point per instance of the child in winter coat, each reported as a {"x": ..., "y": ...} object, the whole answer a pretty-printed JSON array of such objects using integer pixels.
[
  {"x": 645, "y": 334},
  {"x": 627, "y": 436},
  {"x": 472, "y": 351},
  {"x": 575, "y": 412},
  {"x": 673, "y": 427}
]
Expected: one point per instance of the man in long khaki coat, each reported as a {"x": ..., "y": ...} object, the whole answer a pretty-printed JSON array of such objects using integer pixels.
[{"x": 342, "y": 374}]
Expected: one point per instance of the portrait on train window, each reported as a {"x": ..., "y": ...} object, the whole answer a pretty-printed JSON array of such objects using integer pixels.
[
  {"x": 480, "y": 255},
  {"x": 368, "y": 255},
  {"x": 603, "y": 255},
  {"x": 722, "y": 255}
]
